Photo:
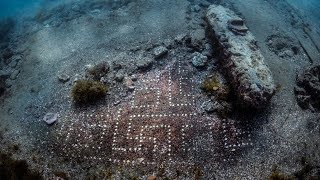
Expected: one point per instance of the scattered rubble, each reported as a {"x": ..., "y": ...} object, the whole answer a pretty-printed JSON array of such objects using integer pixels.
[{"x": 245, "y": 67}]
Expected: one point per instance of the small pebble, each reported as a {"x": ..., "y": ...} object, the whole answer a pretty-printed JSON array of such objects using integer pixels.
[
  {"x": 50, "y": 118},
  {"x": 63, "y": 78}
]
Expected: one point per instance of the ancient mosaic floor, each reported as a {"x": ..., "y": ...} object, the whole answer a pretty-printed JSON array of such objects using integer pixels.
[{"x": 160, "y": 124}]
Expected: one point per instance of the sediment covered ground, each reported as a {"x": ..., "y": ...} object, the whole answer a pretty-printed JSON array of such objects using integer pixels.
[{"x": 171, "y": 110}]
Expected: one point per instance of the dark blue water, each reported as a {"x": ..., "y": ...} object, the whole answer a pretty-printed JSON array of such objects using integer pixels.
[
  {"x": 310, "y": 8},
  {"x": 16, "y": 8}
]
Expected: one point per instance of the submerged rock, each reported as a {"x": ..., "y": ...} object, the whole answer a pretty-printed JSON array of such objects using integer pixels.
[
  {"x": 199, "y": 60},
  {"x": 243, "y": 62},
  {"x": 120, "y": 75},
  {"x": 63, "y": 78},
  {"x": 144, "y": 63},
  {"x": 160, "y": 51},
  {"x": 97, "y": 71},
  {"x": 50, "y": 118},
  {"x": 307, "y": 90},
  {"x": 14, "y": 74}
]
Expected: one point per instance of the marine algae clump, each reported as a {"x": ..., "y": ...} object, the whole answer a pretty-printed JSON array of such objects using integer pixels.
[
  {"x": 215, "y": 84},
  {"x": 87, "y": 91},
  {"x": 276, "y": 175},
  {"x": 210, "y": 85}
]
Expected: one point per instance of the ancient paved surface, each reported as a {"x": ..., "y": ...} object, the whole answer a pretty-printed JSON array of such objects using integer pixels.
[{"x": 159, "y": 125}]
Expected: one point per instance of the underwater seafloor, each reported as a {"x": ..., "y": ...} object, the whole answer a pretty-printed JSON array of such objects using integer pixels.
[{"x": 162, "y": 105}]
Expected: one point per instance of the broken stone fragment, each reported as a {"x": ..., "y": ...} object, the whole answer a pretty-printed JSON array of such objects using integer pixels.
[
  {"x": 50, "y": 118},
  {"x": 120, "y": 75},
  {"x": 250, "y": 77},
  {"x": 160, "y": 51},
  {"x": 14, "y": 74},
  {"x": 128, "y": 82},
  {"x": 199, "y": 60},
  {"x": 209, "y": 106},
  {"x": 63, "y": 78},
  {"x": 144, "y": 63}
]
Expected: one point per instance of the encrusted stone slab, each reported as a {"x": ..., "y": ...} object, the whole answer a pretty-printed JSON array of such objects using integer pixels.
[{"x": 242, "y": 59}]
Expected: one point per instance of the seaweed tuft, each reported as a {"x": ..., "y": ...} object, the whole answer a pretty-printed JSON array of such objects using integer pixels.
[
  {"x": 276, "y": 175},
  {"x": 216, "y": 85},
  {"x": 88, "y": 91}
]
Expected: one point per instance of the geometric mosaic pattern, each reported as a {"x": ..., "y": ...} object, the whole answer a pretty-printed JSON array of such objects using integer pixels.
[{"x": 159, "y": 125}]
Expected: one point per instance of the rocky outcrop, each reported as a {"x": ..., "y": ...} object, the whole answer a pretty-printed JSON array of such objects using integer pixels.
[
  {"x": 307, "y": 90},
  {"x": 240, "y": 56}
]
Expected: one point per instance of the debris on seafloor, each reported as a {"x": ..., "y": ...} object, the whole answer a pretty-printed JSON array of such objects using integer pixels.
[
  {"x": 160, "y": 52},
  {"x": 199, "y": 60},
  {"x": 98, "y": 71},
  {"x": 63, "y": 78},
  {"x": 307, "y": 90},
  {"x": 50, "y": 118},
  {"x": 244, "y": 64}
]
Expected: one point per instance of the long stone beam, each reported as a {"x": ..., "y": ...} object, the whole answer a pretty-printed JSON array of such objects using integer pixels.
[{"x": 241, "y": 58}]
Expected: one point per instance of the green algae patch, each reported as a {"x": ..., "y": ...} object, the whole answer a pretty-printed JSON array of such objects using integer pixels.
[
  {"x": 216, "y": 85},
  {"x": 88, "y": 91},
  {"x": 277, "y": 175}
]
